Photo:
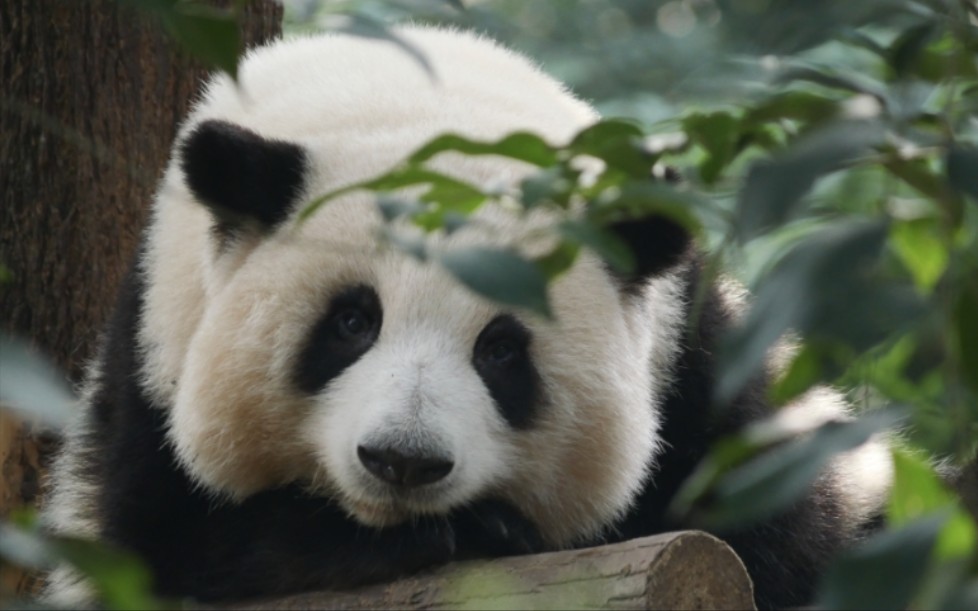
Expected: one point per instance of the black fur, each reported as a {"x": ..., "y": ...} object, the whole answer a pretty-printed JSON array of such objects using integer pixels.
[
  {"x": 247, "y": 181},
  {"x": 657, "y": 243},
  {"x": 501, "y": 357},
  {"x": 331, "y": 346},
  {"x": 785, "y": 554},
  {"x": 276, "y": 542}
]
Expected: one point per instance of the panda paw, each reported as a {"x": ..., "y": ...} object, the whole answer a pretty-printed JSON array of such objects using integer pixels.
[{"x": 496, "y": 528}]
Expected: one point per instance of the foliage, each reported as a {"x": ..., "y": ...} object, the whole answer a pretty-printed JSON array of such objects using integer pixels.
[{"x": 830, "y": 152}]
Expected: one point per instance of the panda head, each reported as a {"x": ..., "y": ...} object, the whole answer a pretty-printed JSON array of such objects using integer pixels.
[{"x": 314, "y": 354}]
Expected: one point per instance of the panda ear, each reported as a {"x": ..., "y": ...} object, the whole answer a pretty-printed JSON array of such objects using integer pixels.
[
  {"x": 245, "y": 180},
  {"x": 657, "y": 243}
]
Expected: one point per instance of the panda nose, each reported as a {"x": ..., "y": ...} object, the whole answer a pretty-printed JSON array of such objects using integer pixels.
[{"x": 405, "y": 470}]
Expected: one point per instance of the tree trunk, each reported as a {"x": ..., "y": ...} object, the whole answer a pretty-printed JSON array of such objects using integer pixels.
[
  {"x": 678, "y": 570},
  {"x": 91, "y": 94}
]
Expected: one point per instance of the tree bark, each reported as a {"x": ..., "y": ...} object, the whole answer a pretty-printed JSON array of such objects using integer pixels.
[
  {"x": 91, "y": 94},
  {"x": 678, "y": 570}
]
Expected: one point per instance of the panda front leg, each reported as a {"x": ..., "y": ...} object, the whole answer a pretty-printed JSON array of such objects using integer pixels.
[{"x": 282, "y": 541}]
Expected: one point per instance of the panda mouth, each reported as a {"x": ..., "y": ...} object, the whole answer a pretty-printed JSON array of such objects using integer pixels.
[
  {"x": 394, "y": 507},
  {"x": 376, "y": 515}
]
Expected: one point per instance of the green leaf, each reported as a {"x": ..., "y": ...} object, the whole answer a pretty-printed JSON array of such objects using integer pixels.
[
  {"x": 833, "y": 80},
  {"x": 884, "y": 572},
  {"x": 816, "y": 362},
  {"x": 500, "y": 275},
  {"x": 962, "y": 169},
  {"x": 922, "y": 251},
  {"x": 908, "y": 46},
  {"x": 209, "y": 33},
  {"x": 771, "y": 482},
  {"x": 5, "y": 274},
  {"x": 919, "y": 492},
  {"x": 615, "y": 252},
  {"x": 548, "y": 185},
  {"x": 825, "y": 287},
  {"x": 25, "y": 547},
  {"x": 31, "y": 385},
  {"x": 965, "y": 323},
  {"x": 122, "y": 580},
  {"x": 409, "y": 176},
  {"x": 618, "y": 143},
  {"x": 392, "y": 208},
  {"x": 558, "y": 260},
  {"x": 642, "y": 198},
  {"x": 718, "y": 133},
  {"x": 773, "y": 191},
  {"x": 918, "y": 174},
  {"x": 523, "y": 146},
  {"x": 799, "y": 105}
]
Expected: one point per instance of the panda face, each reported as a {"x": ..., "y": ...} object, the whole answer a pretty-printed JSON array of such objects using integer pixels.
[
  {"x": 406, "y": 425},
  {"x": 317, "y": 355}
]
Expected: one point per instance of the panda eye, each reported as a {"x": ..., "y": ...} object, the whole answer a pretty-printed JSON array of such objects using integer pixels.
[
  {"x": 502, "y": 352},
  {"x": 351, "y": 323}
]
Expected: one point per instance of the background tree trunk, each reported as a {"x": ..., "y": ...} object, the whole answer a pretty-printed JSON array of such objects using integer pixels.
[{"x": 91, "y": 94}]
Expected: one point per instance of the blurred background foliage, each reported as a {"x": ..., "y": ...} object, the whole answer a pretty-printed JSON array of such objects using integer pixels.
[{"x": 829, "y": 152}]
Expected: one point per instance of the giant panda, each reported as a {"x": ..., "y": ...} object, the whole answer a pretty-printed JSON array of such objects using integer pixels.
[{"x": 277, "y": 407}]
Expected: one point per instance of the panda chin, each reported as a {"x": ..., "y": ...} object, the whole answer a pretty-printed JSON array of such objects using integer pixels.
[
  {"x": 393, "y": 509},
  {"x": 376, "y": 516}
]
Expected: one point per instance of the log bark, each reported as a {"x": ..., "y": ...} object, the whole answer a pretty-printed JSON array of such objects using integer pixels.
[{"x": 678, "y": 570}]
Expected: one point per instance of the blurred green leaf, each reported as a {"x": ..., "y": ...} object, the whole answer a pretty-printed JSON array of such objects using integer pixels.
[
  {"x": 917, "y": 493},
  {"x": 885, "y": 571},
  {"x": 640, "y": 199},
  {"x": 523, "y": 146},
  {"x": 909, "y": 45},
  {"x": 824, "y": 287},
  {"x": 558, "y": 260},
  {"x": 548, "y": 185},
  {"x": 392, "y": 208},
  {"x": 962, "y": 169},
  {"x": 618, "y": 143},
  {"x": 921, "y": 250},
  {"x": 211, "y": 34},
  {"x": 918, "y": 174},
  {"x": 25, "y": 547},
  {"x": 965, "y": 326},
  {"x": 31, "y": 385},
  {"x": 718, "y": 133},
  {"x": 772, "y": 481},
  {"x": 122, "y": 580},
  {"x": 816, "y": 362},
  {"x": 5, "y": 274},
  {"x": 773, "y": 191},
  {"x": 852, "y": 83},
  {"x": 799, "y": 105},
  {"x": 604, "y": 243},
  {"x": 500, "y": 275}
]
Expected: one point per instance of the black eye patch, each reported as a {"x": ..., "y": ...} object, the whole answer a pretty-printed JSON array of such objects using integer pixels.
[
  {"x": 347, "y": 331},
  {"x": 502, "y": 359}
]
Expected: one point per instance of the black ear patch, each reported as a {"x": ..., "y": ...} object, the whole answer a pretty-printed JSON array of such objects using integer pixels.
[
  {"x": 657, "y": 242},
  {"x": 243, "y": 178}
]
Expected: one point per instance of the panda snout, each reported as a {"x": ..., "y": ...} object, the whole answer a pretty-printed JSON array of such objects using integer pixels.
[{"x": 404, "y": 469}]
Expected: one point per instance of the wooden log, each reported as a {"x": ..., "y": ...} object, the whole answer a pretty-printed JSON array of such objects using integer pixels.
[{"x": 677, "y": 570}]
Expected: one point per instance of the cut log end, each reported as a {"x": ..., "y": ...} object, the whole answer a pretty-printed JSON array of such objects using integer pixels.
[{"x": 679, "y": 570}]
